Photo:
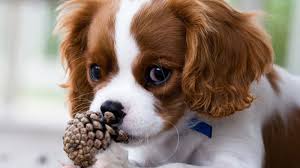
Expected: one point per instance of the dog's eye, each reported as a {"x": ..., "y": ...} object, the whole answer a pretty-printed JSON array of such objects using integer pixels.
[
  {"x": 157, "y": 75},
  {"x": 95, "y": 72}
]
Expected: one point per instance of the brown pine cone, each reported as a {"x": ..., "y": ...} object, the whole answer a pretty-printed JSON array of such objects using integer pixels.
[{"x": 89, "y": 133}]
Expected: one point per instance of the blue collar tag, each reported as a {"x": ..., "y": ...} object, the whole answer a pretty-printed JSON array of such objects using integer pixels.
[{"x": 200, "y": 126}]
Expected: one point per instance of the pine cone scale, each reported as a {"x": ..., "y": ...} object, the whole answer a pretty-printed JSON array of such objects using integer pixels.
[{"x": 89, "y": 133}]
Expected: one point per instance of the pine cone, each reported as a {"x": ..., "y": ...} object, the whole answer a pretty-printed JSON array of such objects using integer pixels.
[{"x": 89, "y": 133}]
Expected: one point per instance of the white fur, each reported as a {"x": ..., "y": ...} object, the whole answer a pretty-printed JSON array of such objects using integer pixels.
[
  {"x": 141, "y": 119},
  {"x": 237, "y": 140}
]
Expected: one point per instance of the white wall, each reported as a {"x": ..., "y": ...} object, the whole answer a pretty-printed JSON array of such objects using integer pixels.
[
  {"x": 33, "y": 111},
  {"x": 294, "y": 43},
  {"x": 250, "y": 5},
  {"x": 30, "y": 90}
]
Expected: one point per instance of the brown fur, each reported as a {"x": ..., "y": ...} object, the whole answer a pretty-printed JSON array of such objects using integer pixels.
[
  {"x": 101, "y": 44},
  {"x": 214, "y": 52},
  {"x": 78, "y": 47},
  {"x": 161, "y": 37},
  {"x": 278, "y": 137},
  {"x": 226, "y": 52}
]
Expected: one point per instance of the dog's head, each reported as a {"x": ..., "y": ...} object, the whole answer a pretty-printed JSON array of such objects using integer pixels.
[{"x": 153, "y": 60}]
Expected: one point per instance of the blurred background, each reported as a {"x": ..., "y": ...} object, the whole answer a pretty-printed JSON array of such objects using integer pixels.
[{"x": 33, "y": 110}]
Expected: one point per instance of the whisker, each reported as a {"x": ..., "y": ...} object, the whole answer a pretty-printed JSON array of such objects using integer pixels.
[
  {"x": 81, "y": 107},
  {"x": 78, "y": 97},
  {"x": 84, "y": 103}
]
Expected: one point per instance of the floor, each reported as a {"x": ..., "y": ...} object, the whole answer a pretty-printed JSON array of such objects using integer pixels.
[{"x": 31, "y": 149}]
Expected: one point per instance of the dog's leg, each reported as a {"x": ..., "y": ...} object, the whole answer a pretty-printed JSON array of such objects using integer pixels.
[{"x": 114, "y": 157}]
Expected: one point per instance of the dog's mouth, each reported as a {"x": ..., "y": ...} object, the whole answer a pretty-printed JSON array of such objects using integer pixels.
[
  {"x": 138, "y": 135},
  {"x": 137, "y": 140},
  {"x": 132, "y": 138}
]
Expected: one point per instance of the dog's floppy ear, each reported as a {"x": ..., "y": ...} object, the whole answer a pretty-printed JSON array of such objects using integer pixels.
[
  {"x": 73, "y": 22},
  {"x": 226, "y": 52}
]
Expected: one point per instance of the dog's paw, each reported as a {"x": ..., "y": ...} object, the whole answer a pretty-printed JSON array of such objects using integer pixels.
[{"x": 113, "y": 157}]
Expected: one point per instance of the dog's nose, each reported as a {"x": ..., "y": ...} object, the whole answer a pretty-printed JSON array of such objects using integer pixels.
[{"x": 115, "y": 107}]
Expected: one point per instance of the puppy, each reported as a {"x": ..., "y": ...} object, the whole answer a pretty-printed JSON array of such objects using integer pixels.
[{"x": 194, "y": 81}]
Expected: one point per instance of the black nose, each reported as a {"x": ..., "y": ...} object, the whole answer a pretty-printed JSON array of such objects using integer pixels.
[{"x": 115, "y": 107}]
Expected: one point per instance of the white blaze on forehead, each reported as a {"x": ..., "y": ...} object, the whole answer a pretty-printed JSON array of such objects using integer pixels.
[
  {"x": 126, "y": 47},
  {"x": 139, "y": 104}
]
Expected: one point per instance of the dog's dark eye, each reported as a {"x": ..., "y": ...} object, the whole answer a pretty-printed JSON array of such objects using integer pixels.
[
  {"x": 95, "y": 72},
  {"x": 157, "y": 75}
]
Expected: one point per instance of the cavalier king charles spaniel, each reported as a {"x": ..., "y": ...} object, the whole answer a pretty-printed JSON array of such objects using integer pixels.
[{"x": 194, "y": 81}]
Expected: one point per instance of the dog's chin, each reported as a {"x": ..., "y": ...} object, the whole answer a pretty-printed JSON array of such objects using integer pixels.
[
  {"x": 136, "y": 141},
  {"x": 139, "y": 137}
]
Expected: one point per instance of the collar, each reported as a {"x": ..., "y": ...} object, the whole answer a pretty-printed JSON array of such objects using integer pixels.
[{"x": 200, "y": 126}]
